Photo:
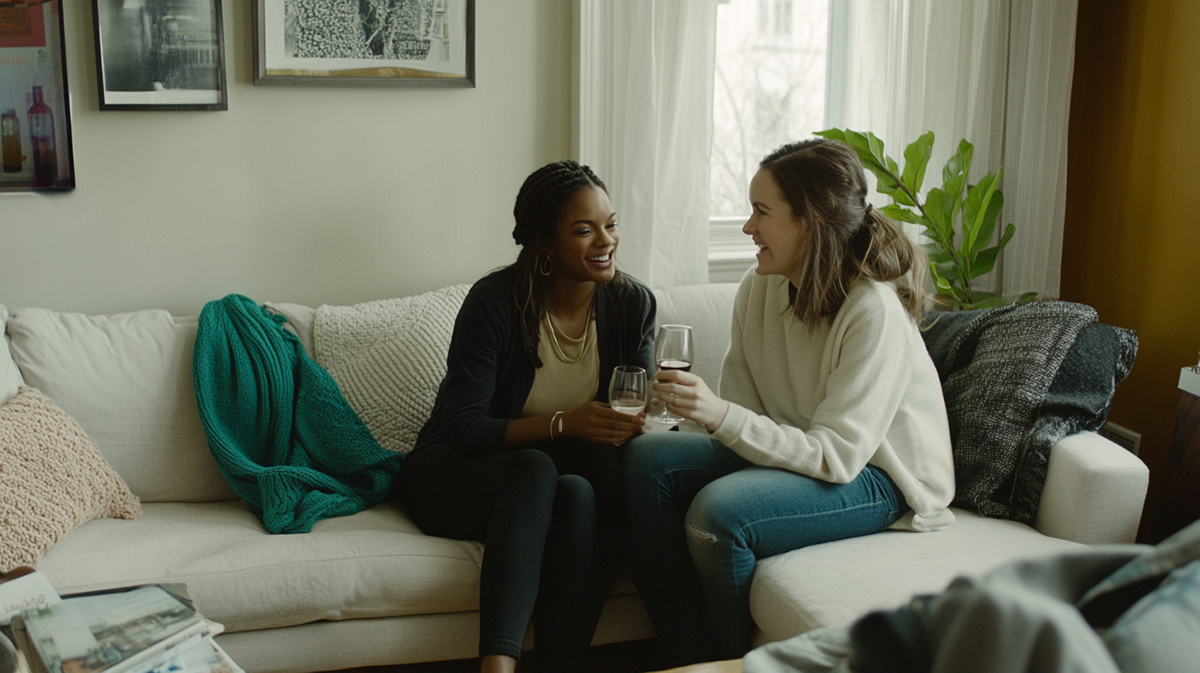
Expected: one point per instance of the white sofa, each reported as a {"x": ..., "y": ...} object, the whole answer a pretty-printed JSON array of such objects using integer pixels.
[{"x": 371, "y": 589}]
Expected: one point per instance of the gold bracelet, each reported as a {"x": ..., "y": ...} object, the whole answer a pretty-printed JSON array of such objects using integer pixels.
[{"x": 552, "y": 420}]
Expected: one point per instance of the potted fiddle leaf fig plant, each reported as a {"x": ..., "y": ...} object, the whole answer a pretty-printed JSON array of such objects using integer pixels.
[{"x": 944, "y": 212}]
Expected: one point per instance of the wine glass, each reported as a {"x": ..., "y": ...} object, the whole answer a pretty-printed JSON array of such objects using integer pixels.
[
  {"x": 627, "y": 389},
  {"x": 673, "y": 350}
]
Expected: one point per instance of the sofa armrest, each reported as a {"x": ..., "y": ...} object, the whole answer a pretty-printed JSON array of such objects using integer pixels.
[{"x": 1094, "y": 491}]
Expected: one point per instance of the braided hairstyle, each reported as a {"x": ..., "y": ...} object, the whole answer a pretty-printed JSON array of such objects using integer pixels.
[
  {"x": 538, "y": 209},
  {"x": 823, "y": 182}
]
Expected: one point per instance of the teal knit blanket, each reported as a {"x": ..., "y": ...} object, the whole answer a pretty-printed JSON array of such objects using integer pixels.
[{"x": 279, "y": 428}]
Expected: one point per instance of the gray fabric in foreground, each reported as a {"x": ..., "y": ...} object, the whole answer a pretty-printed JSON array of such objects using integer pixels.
[{"x": 1104, "y": 609}]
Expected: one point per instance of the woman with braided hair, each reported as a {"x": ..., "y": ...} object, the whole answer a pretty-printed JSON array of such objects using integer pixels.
[
  {"x": 830, "y": 421},
  {"x": 521, "y": 448}
]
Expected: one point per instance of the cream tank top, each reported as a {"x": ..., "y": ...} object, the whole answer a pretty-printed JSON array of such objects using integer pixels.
[{"x": 570, "y": 373}]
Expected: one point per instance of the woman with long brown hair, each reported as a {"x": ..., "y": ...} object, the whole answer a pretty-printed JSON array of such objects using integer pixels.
[{"x": 830, "y": 421}]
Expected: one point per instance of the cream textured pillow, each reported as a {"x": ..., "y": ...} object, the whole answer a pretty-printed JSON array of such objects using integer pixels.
[
  {"x": 388, "y": 358},
  {"x": 52, "y": 479}
]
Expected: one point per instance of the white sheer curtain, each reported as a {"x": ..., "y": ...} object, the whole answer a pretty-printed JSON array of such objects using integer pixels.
[
  {"x": 643, "y": 122},
  {"x": 996, "y": 72}
]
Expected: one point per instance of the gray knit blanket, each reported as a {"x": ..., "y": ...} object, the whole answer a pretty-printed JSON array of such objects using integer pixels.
[
  {"x": 1017, "y": 379},
  {"x": 388, "y": 358}
]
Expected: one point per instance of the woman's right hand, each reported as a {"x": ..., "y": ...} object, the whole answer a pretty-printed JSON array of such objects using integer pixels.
[
  {"x": 689, "y": 396},
  {"x": 598, "y": 423}
]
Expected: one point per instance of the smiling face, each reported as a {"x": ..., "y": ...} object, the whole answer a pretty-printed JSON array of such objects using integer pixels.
[
  {"x": 585, "y": 238},
  {"x": 780, "y": 236}
]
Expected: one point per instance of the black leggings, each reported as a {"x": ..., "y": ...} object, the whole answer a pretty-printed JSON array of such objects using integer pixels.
[{"x": 549, "y": 518}]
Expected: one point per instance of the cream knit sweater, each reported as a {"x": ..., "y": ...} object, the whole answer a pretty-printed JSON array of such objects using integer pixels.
[{"x": 860, "y": 389}]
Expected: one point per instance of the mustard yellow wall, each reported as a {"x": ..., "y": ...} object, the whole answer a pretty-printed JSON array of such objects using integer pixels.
[{"x": 1131, "y": 247}]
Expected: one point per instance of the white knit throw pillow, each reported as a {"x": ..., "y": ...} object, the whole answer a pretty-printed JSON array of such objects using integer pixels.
[
  {"x": 388, "y": 358},
  {"x": 52, "y": 479}
]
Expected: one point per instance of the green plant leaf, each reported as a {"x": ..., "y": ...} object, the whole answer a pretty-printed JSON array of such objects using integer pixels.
[
  {"x": 975, "y": 208},
  {"x": 1008, "y": 234},
  {"x": 862, "y": 144},
  {"x": 988, "y": 224},
  {"x": 940, "y": 282},
  {"x": 916, "y": 158},
  {"x": 984, "y": 262},
  {"x": 875, "y": 145},
  {"x": 939, "y": 256},
  {"x": 985, "y": 300},
  {"x": 900, "y": 214},
  {"x": 937, "y": 209},
  {"x": 936, "y": 243},
  {"x": 934, "y": 249},
  {"x": 952, "y": 274},
  {"x": 870, "y": 152},
  {"x": 833, "y": 134},
  {"x": 897, "y": 195},
  {"x": 954, "y": 175},
  {"x": 1026, "y": 298}
]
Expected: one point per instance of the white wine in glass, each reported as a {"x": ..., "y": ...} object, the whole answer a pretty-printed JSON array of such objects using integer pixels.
[
  {"x": 673, "y": 350},
  {"x": 627, "y": 390}
]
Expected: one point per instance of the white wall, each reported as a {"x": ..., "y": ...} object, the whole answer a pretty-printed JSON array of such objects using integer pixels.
[{"x": 303, "y": 194}]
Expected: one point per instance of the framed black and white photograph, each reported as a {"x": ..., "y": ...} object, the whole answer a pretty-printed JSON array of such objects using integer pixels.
[
  {"x": 160, "y": 54},
  {"x": 35, "y": 111},
  {"x": 388, "y": 42}
]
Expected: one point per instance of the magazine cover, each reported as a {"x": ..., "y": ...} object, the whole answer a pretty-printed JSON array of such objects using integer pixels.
[
  {"x": 198, "y": 655},
  {"x": 109, "y": 632}
]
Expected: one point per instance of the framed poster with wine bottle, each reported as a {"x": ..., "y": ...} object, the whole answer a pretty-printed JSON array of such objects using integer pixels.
[
  {"x": 35, "y": 116},
  {"x": 160, "y": 54}
]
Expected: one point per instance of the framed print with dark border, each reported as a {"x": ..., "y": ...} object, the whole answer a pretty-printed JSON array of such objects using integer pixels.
[
  {"x": 160, "y": 54},
  {"x": 35, "y": 112},
  {"x": 388, "y": 42}
]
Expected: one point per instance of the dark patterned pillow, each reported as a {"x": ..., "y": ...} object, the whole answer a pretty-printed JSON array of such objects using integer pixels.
[{"x": 1016, "y": 380}]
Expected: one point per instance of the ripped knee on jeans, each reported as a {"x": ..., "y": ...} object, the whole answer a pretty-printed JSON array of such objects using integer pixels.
[{"x": 701, "y": 535}]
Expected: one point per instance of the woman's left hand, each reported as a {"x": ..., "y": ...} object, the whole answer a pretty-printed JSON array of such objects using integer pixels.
[{"x": 689, "y": 396}]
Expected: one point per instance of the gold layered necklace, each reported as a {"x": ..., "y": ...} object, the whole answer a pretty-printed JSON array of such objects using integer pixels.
[{"x": 580, "y": 341}]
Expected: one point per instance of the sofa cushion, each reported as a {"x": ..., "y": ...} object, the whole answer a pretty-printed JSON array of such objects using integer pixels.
[
  {"x": 375, "y": 563},
  {"x": 10, "y": 376},
  {"x": 709, "y": 310},
  {"x": 299, "y": 320},
  {"x": 833, "y": 584},
  {"x": 52, "y": 479},
  {"x": 127, "y": 379}
]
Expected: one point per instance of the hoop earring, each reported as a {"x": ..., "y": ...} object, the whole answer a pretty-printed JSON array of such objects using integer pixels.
[{"x": 545, "y": 265}]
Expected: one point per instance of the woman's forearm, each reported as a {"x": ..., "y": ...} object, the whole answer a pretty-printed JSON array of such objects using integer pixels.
[{"x": 532, "y": 429}]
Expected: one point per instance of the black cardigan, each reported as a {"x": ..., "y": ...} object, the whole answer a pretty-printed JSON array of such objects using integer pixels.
[{"x": 489, "y": 373}]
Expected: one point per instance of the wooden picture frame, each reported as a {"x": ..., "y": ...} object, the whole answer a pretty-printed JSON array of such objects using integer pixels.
[
  {"x": 35, "y": 110},
  {"x": 372, "y": 42},
  {"x": 160, "y": 54}
]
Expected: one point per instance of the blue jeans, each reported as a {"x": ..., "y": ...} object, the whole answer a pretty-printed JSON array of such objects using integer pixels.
[{"x": 699, "y": 518}]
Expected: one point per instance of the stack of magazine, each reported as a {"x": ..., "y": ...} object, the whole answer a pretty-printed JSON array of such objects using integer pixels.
[{"x": 143, "y": 629}]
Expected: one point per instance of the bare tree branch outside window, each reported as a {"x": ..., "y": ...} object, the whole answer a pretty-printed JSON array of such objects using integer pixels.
[{"x": 768, "y": 89}]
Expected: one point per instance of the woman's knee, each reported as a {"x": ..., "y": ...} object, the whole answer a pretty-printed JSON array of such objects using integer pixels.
[
  {"x": 574, "y": 497},
  {"x": 531, "y": 470},
  {"x": 717, "y": 515}
]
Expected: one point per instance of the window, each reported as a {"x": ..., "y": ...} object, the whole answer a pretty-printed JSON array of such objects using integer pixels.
[
  {"x": 768, "y": 89},
  {"x": 783, "y": 17},
  {"x": 774, "y": 17}
]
